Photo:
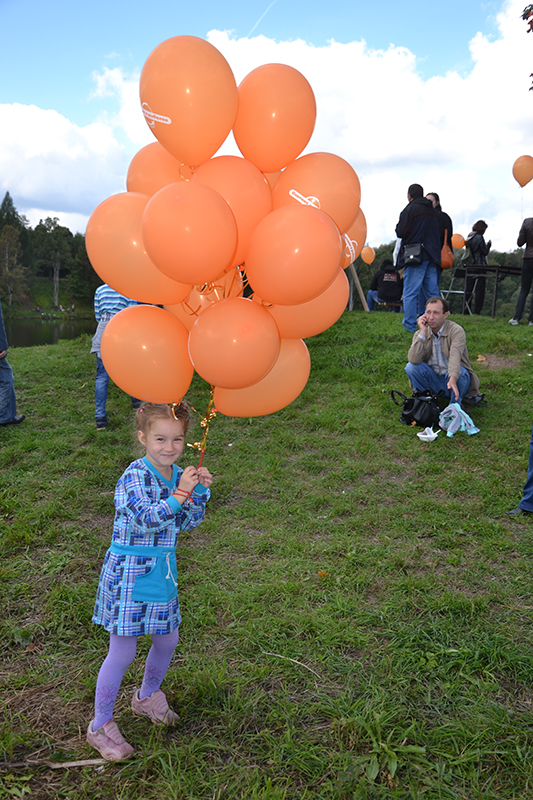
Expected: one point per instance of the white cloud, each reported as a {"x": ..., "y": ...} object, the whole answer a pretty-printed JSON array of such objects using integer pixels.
[
  {"x": 457, "y": 134},
  {"x": 125, "y": 91},
  {"x": 47, "y": 162}
]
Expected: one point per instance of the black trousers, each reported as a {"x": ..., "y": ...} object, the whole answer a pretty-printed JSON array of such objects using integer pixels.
[
  {"x": 479, "y": 298},
  {"x": 527, "y": 278}
]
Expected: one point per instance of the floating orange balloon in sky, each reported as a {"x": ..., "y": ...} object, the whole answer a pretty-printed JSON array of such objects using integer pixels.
[
  {"x": 458, "y": 241},
  {"x": 315, "y": 316},
  {"x": 144, "y": 350},
  {"x": 152, "y": 168},
  {"x": 294, "y": 254},
  {"x": 188, "y": 97},
  {"x": 368, "y": 255},
  {"x": 285, "y": 381},
  {"x": 523, "y": 169},
  {"x": 189, "y": 232},
  {"x": 244, "y": 188},
  {"x": 117, "y": 253},
  {"x": 354, "y": 239},
  {"x": 201, "y": 297},
  {"x": 234, "y": 343},
  {"x": 324, "y": 180},
  {"x": 276, "y": 116}
]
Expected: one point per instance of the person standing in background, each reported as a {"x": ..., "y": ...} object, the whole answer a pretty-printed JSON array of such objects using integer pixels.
[
  {"x": 525, "y": 237},
  {"x": 107, "y": 303},
  {"x": 476, "y": 253},
  {"x": 8, "y": 402},
  {"x": 445, "y": 225},
  {"x": 418, "y": 225}
]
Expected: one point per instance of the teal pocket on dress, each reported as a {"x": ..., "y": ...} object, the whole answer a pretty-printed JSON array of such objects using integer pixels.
[{"x": 160, "y": 584}]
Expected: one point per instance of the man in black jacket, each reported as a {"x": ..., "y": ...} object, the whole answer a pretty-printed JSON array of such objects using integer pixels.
[{"x": 418, "y": 224}]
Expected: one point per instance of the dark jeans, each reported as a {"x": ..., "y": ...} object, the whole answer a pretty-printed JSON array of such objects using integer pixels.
[
  {"x": 8, "y": 403},
  {"x": 526, "y": 502},
  {"x": 101, "y": 387},
  {"x": 480, "y": 291},
  {"x": 527, "y": 278}
]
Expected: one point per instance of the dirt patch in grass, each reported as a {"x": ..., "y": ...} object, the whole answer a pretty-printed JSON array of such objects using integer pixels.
[{"x": 496, "y": 362}]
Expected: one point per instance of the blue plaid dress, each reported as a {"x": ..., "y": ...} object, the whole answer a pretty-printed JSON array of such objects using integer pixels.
[{"x": 146, "y": 515}]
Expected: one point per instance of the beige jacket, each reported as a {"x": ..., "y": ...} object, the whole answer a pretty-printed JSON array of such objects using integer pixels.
[{"x": 454, "y": 349}]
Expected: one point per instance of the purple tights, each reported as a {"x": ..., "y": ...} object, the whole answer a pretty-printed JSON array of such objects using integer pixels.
[{"x": 121, "y": 653}]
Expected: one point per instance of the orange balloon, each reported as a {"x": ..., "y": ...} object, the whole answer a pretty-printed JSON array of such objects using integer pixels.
[
  {"x": 189, "y": 97},
  {"x": 294, "y": 254},
  {"x": 234, "y": 343},
  {"x": 117, "y": 253},
  {"x": 458, "y": 241},
  {"x": 368, "y": 255},
  {"x": 152, "y": 168},
  {"x": 523, "y": 170},
  {"x": 354, "y": 239},
  {"x": 228, "y": 285},
  {"x": 323, "y": 180},
  {"x": 144, "y": 350},
  {"x": 245, "y": 190},
  {"x": 315, "y": 316},
  {"x": 189, "y": 232},
  {"x": 285, "y": 381},
  {"x": 276, "y": 116}
]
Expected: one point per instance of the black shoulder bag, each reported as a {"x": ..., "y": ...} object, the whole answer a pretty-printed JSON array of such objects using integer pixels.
[
  {"x": 421, "y": 409},
  {"x": 413, "y": 255}
]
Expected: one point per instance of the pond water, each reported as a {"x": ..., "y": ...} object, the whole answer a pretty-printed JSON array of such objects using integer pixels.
[{"x": 30, "y": 332}]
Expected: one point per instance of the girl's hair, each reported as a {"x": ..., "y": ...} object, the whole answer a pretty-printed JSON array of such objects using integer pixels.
[
  {"x": 149, "y": 412},
  {"x": 437, "y": 200},
  {"x": 480, "y": 226}
]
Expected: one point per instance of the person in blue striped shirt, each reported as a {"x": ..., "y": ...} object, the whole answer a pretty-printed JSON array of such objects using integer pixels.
[{"x": 107, "y": 303}]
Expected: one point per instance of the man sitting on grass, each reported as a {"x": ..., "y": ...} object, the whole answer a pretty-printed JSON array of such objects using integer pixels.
[{"x": 438, "y": 356}]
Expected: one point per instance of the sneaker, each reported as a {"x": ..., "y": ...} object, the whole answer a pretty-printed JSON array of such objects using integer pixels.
[
  {"x": 531, "y": 323},
  {"x": 155, "y": 707},
  {"x": 101, "y": 423},
  {"x": 109, "y": 742},
  {"x": 513, "y": 321},
  {"x": 17, "y": 419},
  {"x": 518, "y": 512},
  {"x": 475, "y": 400}
]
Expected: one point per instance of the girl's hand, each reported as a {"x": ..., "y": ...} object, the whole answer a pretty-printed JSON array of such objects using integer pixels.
[
  {"x": 204, "y": 476},
  {"x": 189, "y": 479}
]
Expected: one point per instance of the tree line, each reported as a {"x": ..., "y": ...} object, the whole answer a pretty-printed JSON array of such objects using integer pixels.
[{"x": 49, "y": 250}]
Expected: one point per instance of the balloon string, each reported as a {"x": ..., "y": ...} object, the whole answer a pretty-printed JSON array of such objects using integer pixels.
[
  {"x": 209, "y": 415},
  {"x": 245, "y": 282}
]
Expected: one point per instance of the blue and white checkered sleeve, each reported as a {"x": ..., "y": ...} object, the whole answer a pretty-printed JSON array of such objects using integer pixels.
[
  {"x": 194, "y": 509},
  {"x": 137, "y": 495}
]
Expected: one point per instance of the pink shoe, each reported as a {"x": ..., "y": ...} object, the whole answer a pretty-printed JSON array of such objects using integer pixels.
[
  {"x": 109, "y": 741},
  {"x": 155, "y": 707}
]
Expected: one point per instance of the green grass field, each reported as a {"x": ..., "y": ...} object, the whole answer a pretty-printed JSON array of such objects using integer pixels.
[{"x": 357, "y": 608}]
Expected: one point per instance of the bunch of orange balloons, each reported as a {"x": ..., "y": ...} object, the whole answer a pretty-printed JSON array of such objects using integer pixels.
[{"x": 192, "y": 226}]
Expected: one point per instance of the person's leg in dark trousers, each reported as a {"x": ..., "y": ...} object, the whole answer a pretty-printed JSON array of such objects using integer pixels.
[
  {"x": 526, "y": 279},
  {"x": 480, "y": 295}
]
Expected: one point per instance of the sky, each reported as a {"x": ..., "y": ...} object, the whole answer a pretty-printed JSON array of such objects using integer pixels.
[{"x": 407, "y": 92}]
